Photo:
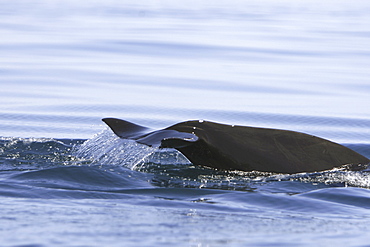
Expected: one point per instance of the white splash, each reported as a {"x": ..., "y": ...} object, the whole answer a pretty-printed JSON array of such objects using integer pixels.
[
  {"x": 349, "y": 178},
  {"x": 107, "y": 148}
]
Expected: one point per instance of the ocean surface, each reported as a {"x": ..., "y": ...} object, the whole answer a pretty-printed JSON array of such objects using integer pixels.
[{"x": 67, "y": 180}]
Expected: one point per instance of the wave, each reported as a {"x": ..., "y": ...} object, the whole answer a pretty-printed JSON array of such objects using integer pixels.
[
  {"x": 166, "y": 167},
  {"x": 105, "y": 167},
  {"x": 89, "y": 182}
]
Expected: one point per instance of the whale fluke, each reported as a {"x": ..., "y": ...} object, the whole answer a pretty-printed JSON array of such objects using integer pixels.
[
  {"x": 144, "y": 135},
  {"x": 243, "y": 148}
]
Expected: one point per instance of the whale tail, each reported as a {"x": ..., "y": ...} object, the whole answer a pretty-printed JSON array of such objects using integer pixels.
[{"x": 165, "y": 138}]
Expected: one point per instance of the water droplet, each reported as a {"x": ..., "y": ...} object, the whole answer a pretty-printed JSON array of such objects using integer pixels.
[{"x": 201, "y": 121}]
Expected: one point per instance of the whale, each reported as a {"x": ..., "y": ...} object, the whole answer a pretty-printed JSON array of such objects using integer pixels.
[{"x": 244, "y": 148}]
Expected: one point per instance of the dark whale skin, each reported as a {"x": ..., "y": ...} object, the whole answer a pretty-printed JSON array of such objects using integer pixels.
[
  {"x": 261, "y": 149},
  {"x": 243, "y": 148}
]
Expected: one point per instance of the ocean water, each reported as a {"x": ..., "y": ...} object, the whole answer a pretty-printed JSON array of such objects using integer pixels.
[{"x": 67, "y": 180}]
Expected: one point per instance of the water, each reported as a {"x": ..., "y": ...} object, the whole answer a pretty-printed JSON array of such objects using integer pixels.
[{"x": 66, "y": 180}]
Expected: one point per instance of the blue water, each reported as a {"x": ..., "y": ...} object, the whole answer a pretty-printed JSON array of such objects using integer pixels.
[{"x": 66, "y": 180}]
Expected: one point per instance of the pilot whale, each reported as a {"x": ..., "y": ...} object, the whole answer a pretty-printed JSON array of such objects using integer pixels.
[{"x": 243, "y": 148}]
